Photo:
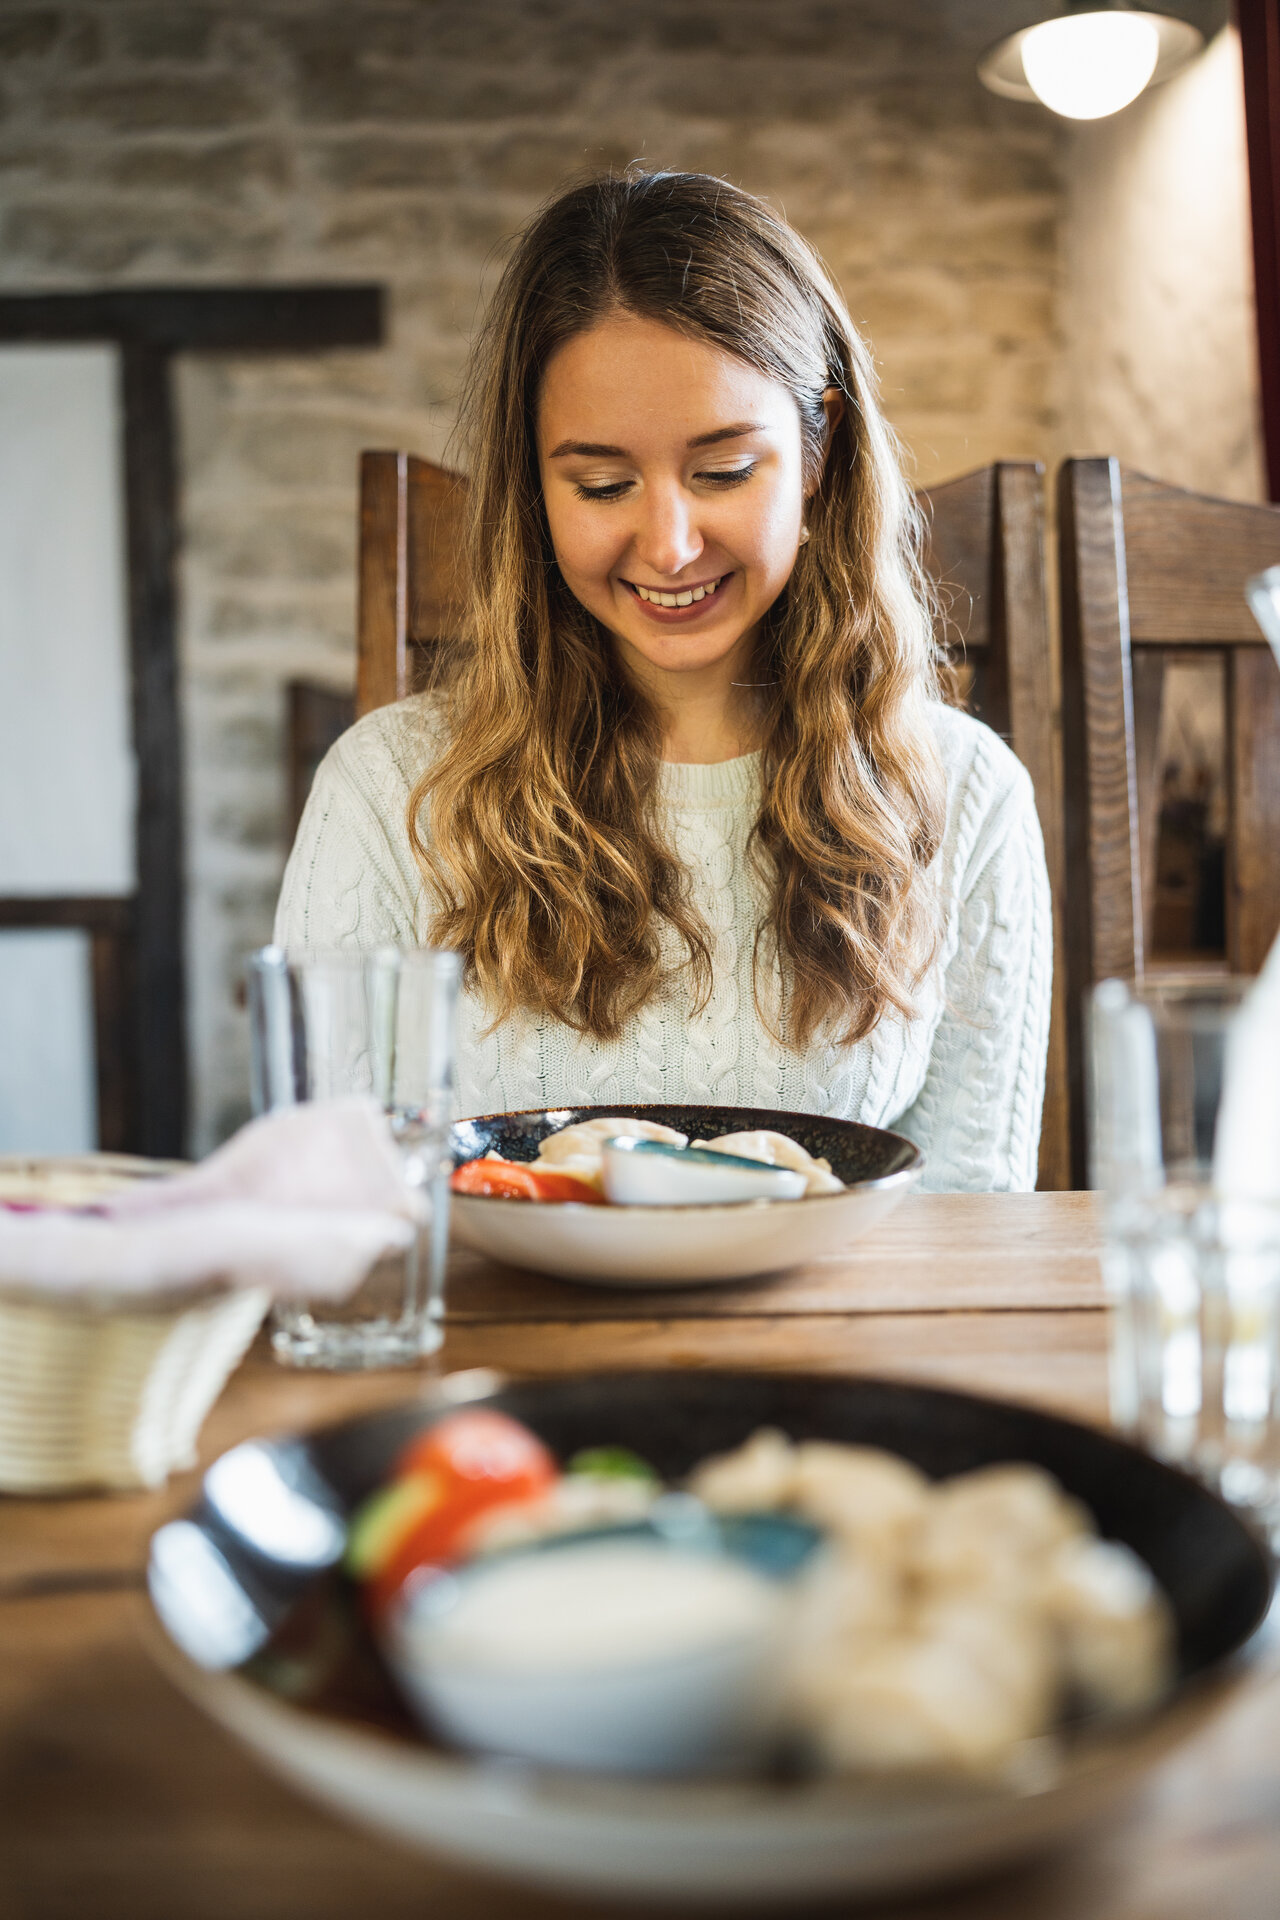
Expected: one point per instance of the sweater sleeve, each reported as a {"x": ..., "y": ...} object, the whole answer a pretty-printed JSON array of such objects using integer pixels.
[
  {"x": 350, "y": 879},
  {"x": 977, "y": 1116}
]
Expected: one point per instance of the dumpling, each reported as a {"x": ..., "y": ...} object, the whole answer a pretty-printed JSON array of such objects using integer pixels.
[
  {"x": 862, "y": 1494},
  {"x": 755, "y": 1478},
  {"x": 1114, "y": 1626},
  {"x": 993, "y": 1529},
  {"x": 921, "y": 1703},
  {"x": 585, "y": 1139},
  {"x": 778, "y": 1150},
  {"x": 844, "y": 1600}
]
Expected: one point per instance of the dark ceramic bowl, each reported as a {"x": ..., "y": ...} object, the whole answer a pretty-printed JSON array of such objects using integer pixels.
[
  {"x": 262, "y": 1631},
  {"x": 683, "y": 1246}
]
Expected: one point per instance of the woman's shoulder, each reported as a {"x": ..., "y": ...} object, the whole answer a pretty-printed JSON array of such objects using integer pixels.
[
  {"x": 989, "y": 790},
  {"x": 386, "y": 752},
  {"x": 979, "y": 766}
]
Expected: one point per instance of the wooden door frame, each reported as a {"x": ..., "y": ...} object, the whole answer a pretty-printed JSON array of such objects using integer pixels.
[
  {"x": 150, "y": 325},
  {"x": 1259, "y": 25}
]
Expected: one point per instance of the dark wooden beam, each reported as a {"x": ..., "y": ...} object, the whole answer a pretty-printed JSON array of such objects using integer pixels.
[
  {"x": 299, "y": 319},
  {"x": 159, "y": 983},
  {"x": 1259, "y": 23}
]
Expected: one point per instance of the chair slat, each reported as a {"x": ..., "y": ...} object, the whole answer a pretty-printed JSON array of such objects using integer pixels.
[
  {"x": 1189, "y": 555},
  {"x": 1253, "y": 841}
]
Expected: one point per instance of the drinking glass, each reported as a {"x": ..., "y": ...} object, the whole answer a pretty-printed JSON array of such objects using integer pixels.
[
  {"x": 1192, "y": 1268},
  {"x": 325, "y": 1025}
]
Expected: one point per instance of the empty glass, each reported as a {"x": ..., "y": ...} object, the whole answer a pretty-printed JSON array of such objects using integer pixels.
[
  {"x": 1192, "y": 1268},
  {"x": 326, "y": 1025}
]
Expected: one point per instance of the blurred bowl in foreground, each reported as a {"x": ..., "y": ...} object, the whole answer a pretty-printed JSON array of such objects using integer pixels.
[{"x": 262, "y": 1631}]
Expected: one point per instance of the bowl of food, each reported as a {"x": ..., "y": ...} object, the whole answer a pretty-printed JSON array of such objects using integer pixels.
[
  {"x": 979, "y": 1625},
  {"x": 631, "y": 1196}
]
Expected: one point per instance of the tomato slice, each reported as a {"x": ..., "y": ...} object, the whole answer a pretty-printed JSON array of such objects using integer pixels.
[
  {"x": 508, "y": 1180},
  {"x": 498, "y": 1179},
  {"x": 566, "y": 1186},
  {"x": 480, "y": 1444},
  {"x": 475, "y": 1459}
]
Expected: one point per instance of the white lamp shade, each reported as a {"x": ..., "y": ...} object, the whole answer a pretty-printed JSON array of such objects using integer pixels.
[{"x": 1088, "y": 65}]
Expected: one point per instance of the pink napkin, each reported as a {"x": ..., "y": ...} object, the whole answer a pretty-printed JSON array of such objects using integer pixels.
[{"x": 302, "y": 1203}]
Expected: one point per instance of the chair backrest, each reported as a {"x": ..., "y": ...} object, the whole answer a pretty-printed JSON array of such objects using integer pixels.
[
  {"x": 1152, "y": 574},
  {"x": 986, "y": 555},
  {"x": 412, "y": 585}
]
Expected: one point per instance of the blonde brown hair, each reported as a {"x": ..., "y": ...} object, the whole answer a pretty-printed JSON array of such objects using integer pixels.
[{"x": 543, "y": 846}]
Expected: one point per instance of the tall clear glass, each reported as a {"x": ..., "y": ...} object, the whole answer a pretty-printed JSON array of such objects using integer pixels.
[
  {"x": 1192, "y": 1270},
  {"x": 325, "y": 1025}
]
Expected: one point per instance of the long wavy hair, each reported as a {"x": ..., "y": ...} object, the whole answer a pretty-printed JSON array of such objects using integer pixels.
[{"x": 537, "y": 828}]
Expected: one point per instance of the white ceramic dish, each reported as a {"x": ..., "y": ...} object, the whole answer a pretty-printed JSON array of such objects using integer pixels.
[
  {"x": 683, "y": 1246},
  {"x": 737, "y": 1845},
  {"x": 624, "y": 1651}
]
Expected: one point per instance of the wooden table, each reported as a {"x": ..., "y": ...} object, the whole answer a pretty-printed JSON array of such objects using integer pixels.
[{"x": 119, "y": 1802}]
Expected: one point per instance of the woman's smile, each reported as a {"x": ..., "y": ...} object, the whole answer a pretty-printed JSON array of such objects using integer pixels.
[{"x": 679, "y": 605}]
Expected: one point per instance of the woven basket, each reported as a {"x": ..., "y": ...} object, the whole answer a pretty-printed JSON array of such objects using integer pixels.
[{"x": 103, "y": 1391}]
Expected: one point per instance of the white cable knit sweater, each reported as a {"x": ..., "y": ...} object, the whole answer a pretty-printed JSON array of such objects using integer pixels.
[{"x": 964, "y": 1078}]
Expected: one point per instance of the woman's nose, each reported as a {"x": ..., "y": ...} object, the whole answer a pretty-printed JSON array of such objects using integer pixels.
[{"x": 667, "y": 538}]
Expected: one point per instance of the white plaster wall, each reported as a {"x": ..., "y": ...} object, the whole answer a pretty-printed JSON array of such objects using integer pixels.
[
  {"x": 67, "y": 774},
  {"x": 1157, "y": 311},
  {"x": 48, "y": 1097}
]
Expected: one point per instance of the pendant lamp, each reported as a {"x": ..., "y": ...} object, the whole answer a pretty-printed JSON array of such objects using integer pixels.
[{"x": 1089, "y": 59}]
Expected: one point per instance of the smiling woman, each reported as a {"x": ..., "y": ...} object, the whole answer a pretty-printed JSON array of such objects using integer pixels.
[{"x": 687, "y": 797}]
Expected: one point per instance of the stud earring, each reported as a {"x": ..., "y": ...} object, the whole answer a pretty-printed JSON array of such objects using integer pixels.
[{"x": 804, "y": 535}]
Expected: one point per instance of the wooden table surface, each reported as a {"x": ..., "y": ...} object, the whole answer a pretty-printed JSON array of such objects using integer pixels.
[{"x": 118, "y": 1801}]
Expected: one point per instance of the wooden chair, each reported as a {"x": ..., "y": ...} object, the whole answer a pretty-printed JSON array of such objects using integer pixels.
[
  {"x": 315, "y": 716},
  {"x": 1151, "y": 574},
  {"x": 986, "y": 554}
]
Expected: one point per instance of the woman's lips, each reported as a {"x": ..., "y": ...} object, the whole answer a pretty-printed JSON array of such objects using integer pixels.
[{"x": 678, "y": 616}]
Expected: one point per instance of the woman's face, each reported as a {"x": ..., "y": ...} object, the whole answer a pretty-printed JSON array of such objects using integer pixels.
[{"x": 672, "y": 478}]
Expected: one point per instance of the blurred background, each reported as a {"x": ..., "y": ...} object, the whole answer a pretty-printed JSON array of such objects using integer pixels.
[{"x": 1032, "y": 288}]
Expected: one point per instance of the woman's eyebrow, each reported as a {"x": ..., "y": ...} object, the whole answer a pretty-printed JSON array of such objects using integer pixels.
[
  {"x": 596, "y": 450},
  {"x": 725, "y": 433}
]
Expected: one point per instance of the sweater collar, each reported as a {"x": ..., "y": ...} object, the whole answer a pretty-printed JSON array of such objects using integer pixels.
[{"x": 694, "y": 788}]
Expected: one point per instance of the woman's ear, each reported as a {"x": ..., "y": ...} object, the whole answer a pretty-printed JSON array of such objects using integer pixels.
[{"x": 833, "y": 407}]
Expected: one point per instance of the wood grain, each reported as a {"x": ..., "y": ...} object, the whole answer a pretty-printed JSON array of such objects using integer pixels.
[
  {"x": 1188, "y": 557},
  {"x": 960, "y": 523},
  {"x": 999, "y": 1292},
  {"x": 1148, "y": 570},
  {"x": 382, "y": 603},
  {"x": 118, "y": 1800},
  {"x": 1253, "y": 786},
  {"x": 1034, "y": 684},
  {"x": 1258, "y": 23}
]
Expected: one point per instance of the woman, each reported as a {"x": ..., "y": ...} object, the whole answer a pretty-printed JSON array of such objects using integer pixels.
[{"x": 688, "y": 799}]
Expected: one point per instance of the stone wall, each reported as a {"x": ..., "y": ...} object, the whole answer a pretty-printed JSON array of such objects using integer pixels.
[{"x": 404, "y": 141}]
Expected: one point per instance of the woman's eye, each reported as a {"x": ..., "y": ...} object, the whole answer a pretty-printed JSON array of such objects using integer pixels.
[
  {"x": 613, "y": 490},
  {"x": 731, "y": 477}
]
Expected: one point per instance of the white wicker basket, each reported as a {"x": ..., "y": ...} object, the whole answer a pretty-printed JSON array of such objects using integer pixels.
[{"x": 100, "y": 1391}]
